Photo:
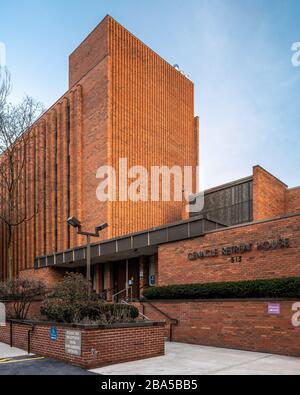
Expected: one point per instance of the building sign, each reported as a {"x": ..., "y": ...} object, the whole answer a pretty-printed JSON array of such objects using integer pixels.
[
  {"x": 53, "y": 333},
  {"x": 240, "y": 249},
  {"x": 274, "y": 309},
  {"x": 73, "y": 343},
  {"x": 2, "y": 315}
]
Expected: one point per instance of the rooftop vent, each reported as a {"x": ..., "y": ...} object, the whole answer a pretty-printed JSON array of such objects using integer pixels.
[{"x": 176, "y": 66}]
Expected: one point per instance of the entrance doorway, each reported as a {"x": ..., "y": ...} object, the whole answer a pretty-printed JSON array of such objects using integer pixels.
[{"x": 127, "y": 271}]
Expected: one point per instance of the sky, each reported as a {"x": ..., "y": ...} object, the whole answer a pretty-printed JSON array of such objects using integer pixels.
[{"x": 237, "y": 52}]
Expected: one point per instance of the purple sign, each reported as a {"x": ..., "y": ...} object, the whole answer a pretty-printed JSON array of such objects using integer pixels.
[{"x": 274, "y": 308}]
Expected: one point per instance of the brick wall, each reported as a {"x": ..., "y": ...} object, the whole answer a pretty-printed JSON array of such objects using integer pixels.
[
  {"x": 100, "y": 347},
  {"x": 292, "y": 200},
  {"x": 49, "y": 276},
  {"x": 148, "y": 118},
  {"x": 174, "y": 267},
  {"x": 152, "y": 124},
  {"x": 124, "y": 101},
  {"x": 244, "y": 325},
  {"x": 89, "y": 54},
  {"x": 271, "y": 197},
  {"x": 268, "y": 195}
]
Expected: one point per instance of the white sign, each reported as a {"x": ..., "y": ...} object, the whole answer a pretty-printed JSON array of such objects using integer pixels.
[
  {"x": 296, "y": 316},
  {"x": 2, "y": 314},
  {"x": 73, "y": 343}
]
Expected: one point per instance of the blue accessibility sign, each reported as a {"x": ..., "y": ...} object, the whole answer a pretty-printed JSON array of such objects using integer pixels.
[{"x": 53, "y": 333}]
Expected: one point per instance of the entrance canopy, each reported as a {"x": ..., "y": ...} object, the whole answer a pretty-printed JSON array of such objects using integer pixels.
[{"x": 137, "y": 244}]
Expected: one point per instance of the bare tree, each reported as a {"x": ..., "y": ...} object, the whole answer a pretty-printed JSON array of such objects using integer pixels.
[{"x": 15, "y": 138}]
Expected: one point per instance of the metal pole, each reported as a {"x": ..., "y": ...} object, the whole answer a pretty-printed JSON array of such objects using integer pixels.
[
  {"x": 127, "y": 279},
  {"x": 88, "y": 264}
]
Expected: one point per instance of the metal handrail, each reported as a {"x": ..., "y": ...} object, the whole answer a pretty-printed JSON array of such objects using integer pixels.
[
  {"x": 173, "y": 321},
  {"x": 142, "y": 315},
  {"x": 104, "y": 293},
  {"x": 123, "y": 290}
]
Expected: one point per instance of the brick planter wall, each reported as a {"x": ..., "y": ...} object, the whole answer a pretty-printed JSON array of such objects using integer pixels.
[
  {"x": 101, "y": 346},
  {"x": 236, "y": 324}
]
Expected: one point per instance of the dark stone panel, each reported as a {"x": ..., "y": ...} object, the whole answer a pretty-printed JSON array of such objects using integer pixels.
[
  {"x": 59, "y": 259},
  {"x": 69, "y": 257},
  {"x": 43, "y": 262},
  {"x": 94, "y": 252},
  {"x": 160, "y": 236},
  {"x": 108, "y": 248},
  {"x": 209, "y": 226},
  {"x": 140, "y": 241},
  {"x": 124, "y": 244},
  {"x": 178, "y": 232},
  {"x": 79, "y": 254},
  {"x": 196, "y": 228},
  {"x": 50, "y": 260},
  {"x": 231, "y": 205}
]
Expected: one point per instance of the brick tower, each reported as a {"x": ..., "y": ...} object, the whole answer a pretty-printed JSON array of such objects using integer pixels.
[{"x": 124, "y": 101}]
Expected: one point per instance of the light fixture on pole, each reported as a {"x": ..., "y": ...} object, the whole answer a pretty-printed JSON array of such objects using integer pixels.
[{"x": 75, "y": 223}]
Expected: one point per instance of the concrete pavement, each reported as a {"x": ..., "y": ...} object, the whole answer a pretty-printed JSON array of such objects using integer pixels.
[
  {"x": 187, "y": 359},
  {"x": 7, "y": 352},
  {"x": 180, "y": 359}
]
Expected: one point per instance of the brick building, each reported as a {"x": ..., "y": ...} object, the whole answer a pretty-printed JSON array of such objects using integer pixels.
[{"x": 126, "y": 102}]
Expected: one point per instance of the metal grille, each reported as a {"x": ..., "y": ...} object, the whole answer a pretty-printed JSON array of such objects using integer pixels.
[{"x": 232, "y": 205}]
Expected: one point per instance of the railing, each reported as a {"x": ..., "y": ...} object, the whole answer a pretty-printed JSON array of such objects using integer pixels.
[
  {"x": 123, "y": 291},
  {"x": 142, "y": 315},
  {"x": 173, "y": 321},
  {"x": 104, "y": 293}
]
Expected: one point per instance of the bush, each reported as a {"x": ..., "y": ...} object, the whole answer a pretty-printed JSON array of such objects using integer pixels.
[
  {"x": 21, "y": 293},
  {"x": 73, "y": 288},
  {"x": 69, "y": 303},
  {"x": 88, "y": 312},
  {"x": 277, "y": 288}
]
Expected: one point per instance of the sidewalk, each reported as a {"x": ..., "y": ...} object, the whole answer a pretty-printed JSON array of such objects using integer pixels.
[
  {"x": 7, "y": 352},
  {"x": 187, "y": 359}
]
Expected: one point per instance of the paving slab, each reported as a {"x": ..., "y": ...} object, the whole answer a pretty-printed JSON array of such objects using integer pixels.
[
  {"x": 189, "y": 359},
  {"x": 9, "y": 352}
]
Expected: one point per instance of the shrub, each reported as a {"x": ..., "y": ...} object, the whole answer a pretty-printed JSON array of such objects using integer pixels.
[
  {"x": 69, "y": 303},
  {"x": 88, "y": 312},
  {"x": 21, "y": 293},
  {"x": 277, "y": 288},
  {"x": 73, "y": 288}
]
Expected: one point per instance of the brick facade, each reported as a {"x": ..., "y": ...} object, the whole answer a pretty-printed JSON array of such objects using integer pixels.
[
  {"x": 292, "y": 200},
  {"x": 174, "y": 267},
  {"x": 271, "y": 197},
  {"x": 49, "y": 276},
  {"x": 244, "y": 325},
  {"x": 100, "y": 347},
  {"x": 124, "y": 101},
  {"x": 268, "y": 195}
]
